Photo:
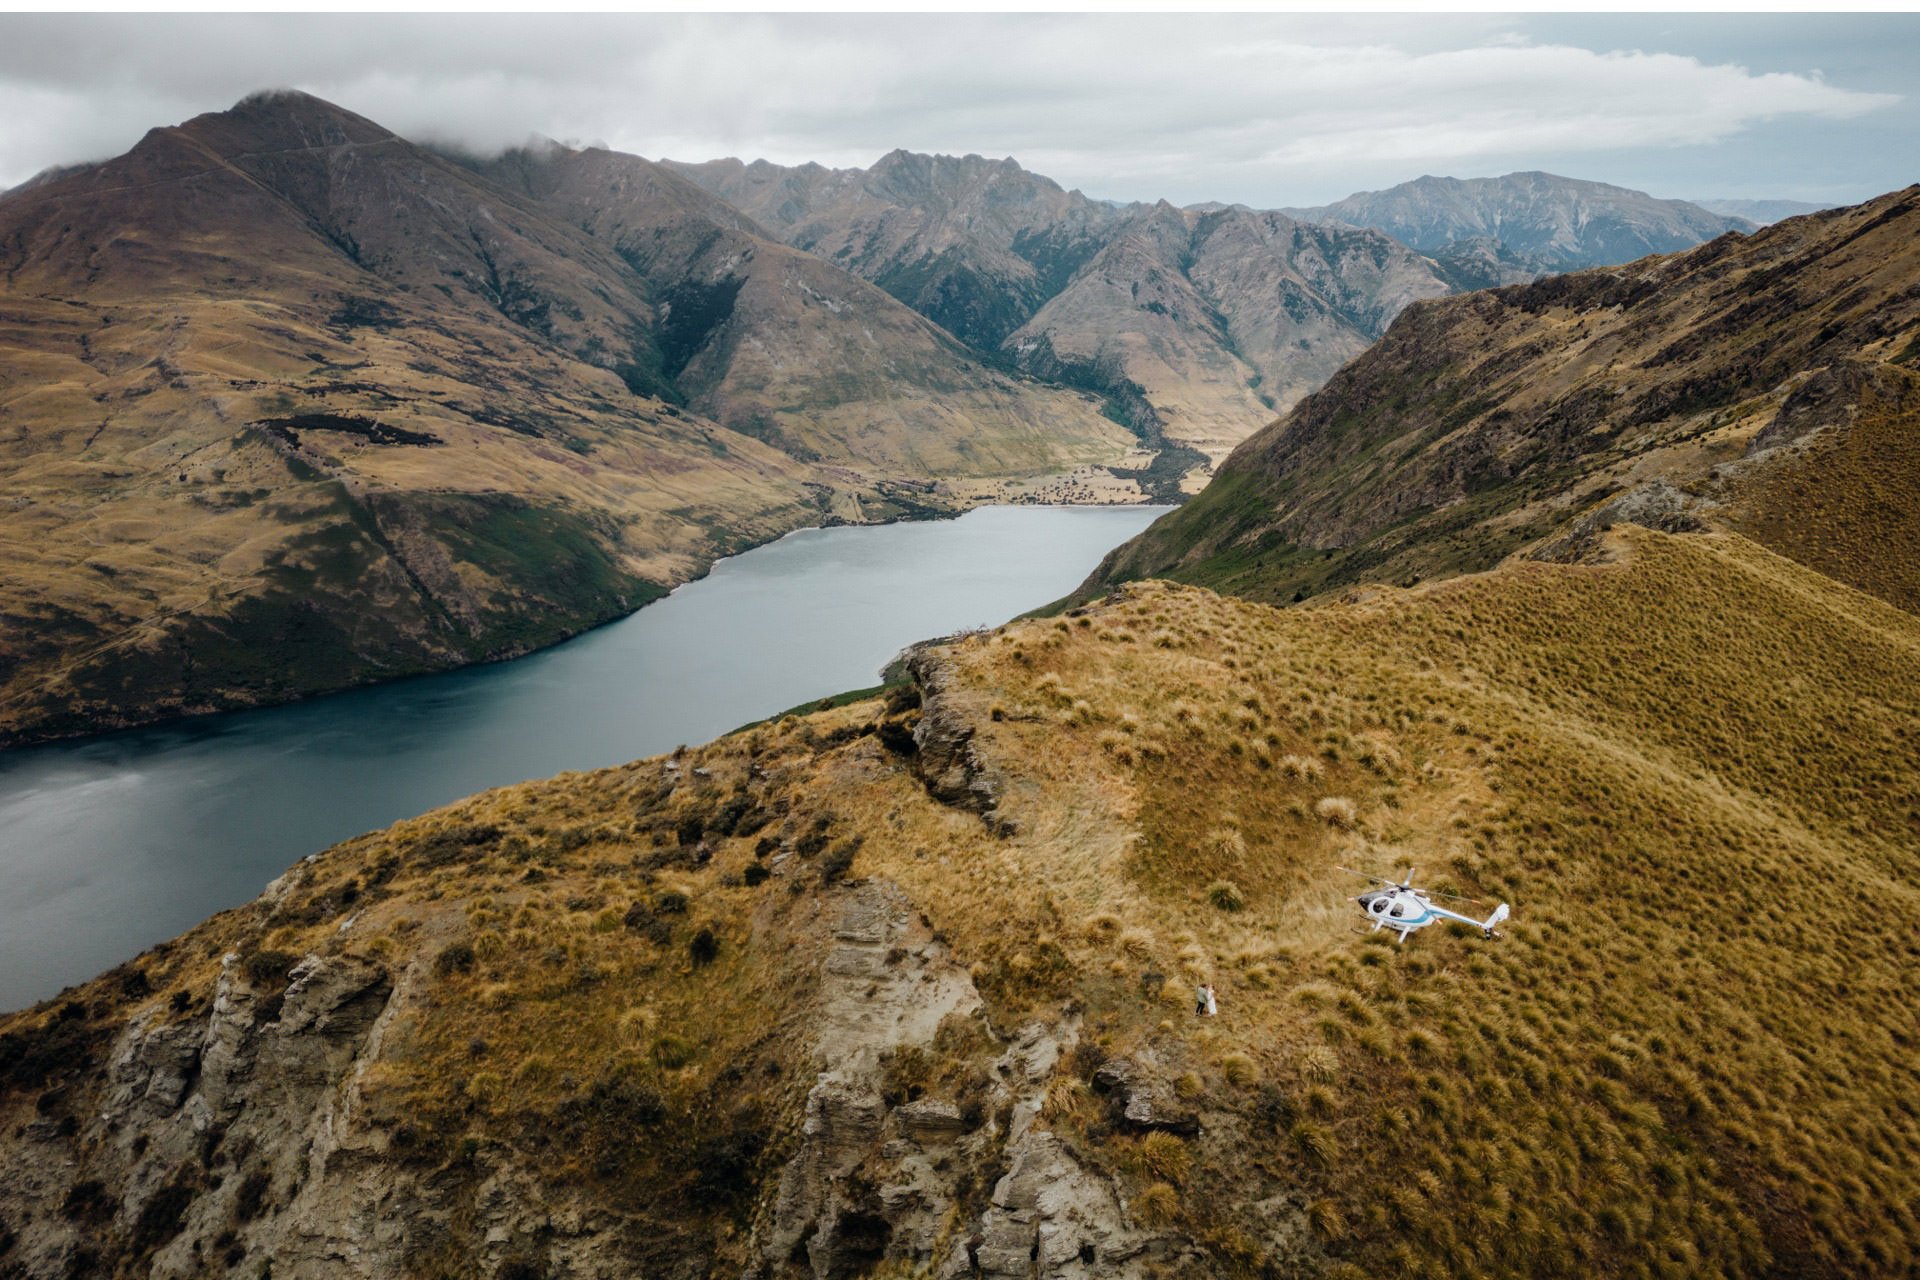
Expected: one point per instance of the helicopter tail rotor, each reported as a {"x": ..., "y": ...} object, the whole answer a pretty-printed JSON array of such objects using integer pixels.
[{"x": 1500, "y": 913}]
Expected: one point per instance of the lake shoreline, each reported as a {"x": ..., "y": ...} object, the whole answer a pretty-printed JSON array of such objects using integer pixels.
[
  {"x": 14, "y": 741},
  {"x": 118, "y": 839}
]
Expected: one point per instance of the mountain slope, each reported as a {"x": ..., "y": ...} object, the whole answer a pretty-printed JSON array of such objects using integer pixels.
[
  {"x": 1529, "y": 223},
  {"x": 976, "y": 245},
  {"x": 1220, "y": 318},
  {"x": 1679, "y": 388},
  {"x": 786, "y": 1004},
  {"x": 781, "y": 345},
  {"x": 288, "y": 403},
  {"x": 1193, "y": 324}
]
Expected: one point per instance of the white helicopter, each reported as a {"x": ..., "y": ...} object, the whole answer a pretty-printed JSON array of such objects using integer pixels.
[{"x": 1403, "y": 908}]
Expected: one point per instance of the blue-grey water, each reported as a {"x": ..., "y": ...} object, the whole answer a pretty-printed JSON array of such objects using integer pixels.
[{"x": 110, "y": 844}]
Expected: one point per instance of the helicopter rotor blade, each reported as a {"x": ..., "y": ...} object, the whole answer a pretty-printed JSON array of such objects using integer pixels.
[
  {"x": 1453, "y": 897},
  {"x": 1364, "y": 876}
]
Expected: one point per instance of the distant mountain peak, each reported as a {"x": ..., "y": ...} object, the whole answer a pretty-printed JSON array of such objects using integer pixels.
[
  {"x": 282, "y": 120},
  {"x": 1762, "y": 212},
  {"x": 1543, "y": 222}
]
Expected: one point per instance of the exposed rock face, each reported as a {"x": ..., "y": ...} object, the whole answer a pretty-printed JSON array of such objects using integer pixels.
[
  {"x": 1656, "y": 505},
  {"x": 1141, "y": 1100},
  {"x": 945, "y": 758},
  {"x": 874, "y": 1182},
  {"x": 1835, "y": 396},
  {"x": 212, "y": 1120},
  {"x": 1053, "y": 1217}
]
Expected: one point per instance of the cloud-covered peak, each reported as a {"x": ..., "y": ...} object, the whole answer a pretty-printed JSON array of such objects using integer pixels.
[{"x": 1261, "y": 109}]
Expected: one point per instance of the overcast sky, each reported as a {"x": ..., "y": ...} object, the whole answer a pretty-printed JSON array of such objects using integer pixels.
[{"x": 1266, "y": 110}]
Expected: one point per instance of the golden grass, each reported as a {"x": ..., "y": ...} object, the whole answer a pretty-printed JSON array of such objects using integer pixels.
[
  {"x": 1691, "y": 1054},
  {"x": 1843, "y": 504},
  {"x": 1674, "y": 799}
]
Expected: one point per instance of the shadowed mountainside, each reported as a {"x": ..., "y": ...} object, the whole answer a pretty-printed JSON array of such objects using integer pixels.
[
  {"x": 782, "y": 345},
  {"x": 1737, "y": 384},
  {"x": 977, "y": 245}
]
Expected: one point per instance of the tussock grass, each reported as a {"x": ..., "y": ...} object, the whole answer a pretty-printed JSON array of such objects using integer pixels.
[
  {"x": 1682, "y": 1059},
  {"x": 1630, "y": 739}
]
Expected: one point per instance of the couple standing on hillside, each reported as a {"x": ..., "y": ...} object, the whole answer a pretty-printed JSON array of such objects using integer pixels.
[{"x": 1203, "y": 1002}]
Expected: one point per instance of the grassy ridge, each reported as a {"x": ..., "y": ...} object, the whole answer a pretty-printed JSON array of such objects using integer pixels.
[{"x": 1690, "y": 1056}]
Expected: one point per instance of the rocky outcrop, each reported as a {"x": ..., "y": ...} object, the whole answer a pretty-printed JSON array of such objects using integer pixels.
[
  {"x": 205, "y": 1119},
  {"x": 1655, "y": 505},
  {"x": 877, "y": 1181},
  {"x": 1834, "y": 397},
  {"x": 1140, "y": 1100},
  {"x": 946, "y": 758},
  {"x": 1051, "y": 1216},
  {"x": 886, "y": 985}
]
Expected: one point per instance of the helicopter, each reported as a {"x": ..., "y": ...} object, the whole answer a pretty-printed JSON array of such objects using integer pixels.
[{"x": 1403, "y": 908}]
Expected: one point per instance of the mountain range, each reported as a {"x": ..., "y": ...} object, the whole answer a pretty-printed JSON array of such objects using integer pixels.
[
  {"x": 1488, "y": 231},
  {"x": 1761, "y": 212},
  {"x": 1594, "y": 594},
  {"x": 290, "y": 403},
  {"x": 1609, "y": 612},
  {"x": 1194, "y": 322}
]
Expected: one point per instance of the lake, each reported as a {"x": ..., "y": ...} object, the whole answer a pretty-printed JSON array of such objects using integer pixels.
[{"x": 113, "y": 843}]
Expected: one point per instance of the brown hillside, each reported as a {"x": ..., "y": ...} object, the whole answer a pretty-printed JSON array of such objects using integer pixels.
[
  {"x": 786, "y": 347},
  {"x": 288, "y": 404},
  {"x": 773, "y": 1005},
  {"x": 1485, "y": 423}
]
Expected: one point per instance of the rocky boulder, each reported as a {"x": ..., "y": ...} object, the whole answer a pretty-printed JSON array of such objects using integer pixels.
[{"x": 1140, "y": 1101}]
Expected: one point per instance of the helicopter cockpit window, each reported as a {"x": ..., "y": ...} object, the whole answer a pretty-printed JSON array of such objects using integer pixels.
[
  {"x": 1379, "y": 905},
  {"x": 1399, "y": 909}
]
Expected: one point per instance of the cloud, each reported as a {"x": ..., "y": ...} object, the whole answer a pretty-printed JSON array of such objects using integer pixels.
[{"x": 1265, "y": 109}]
